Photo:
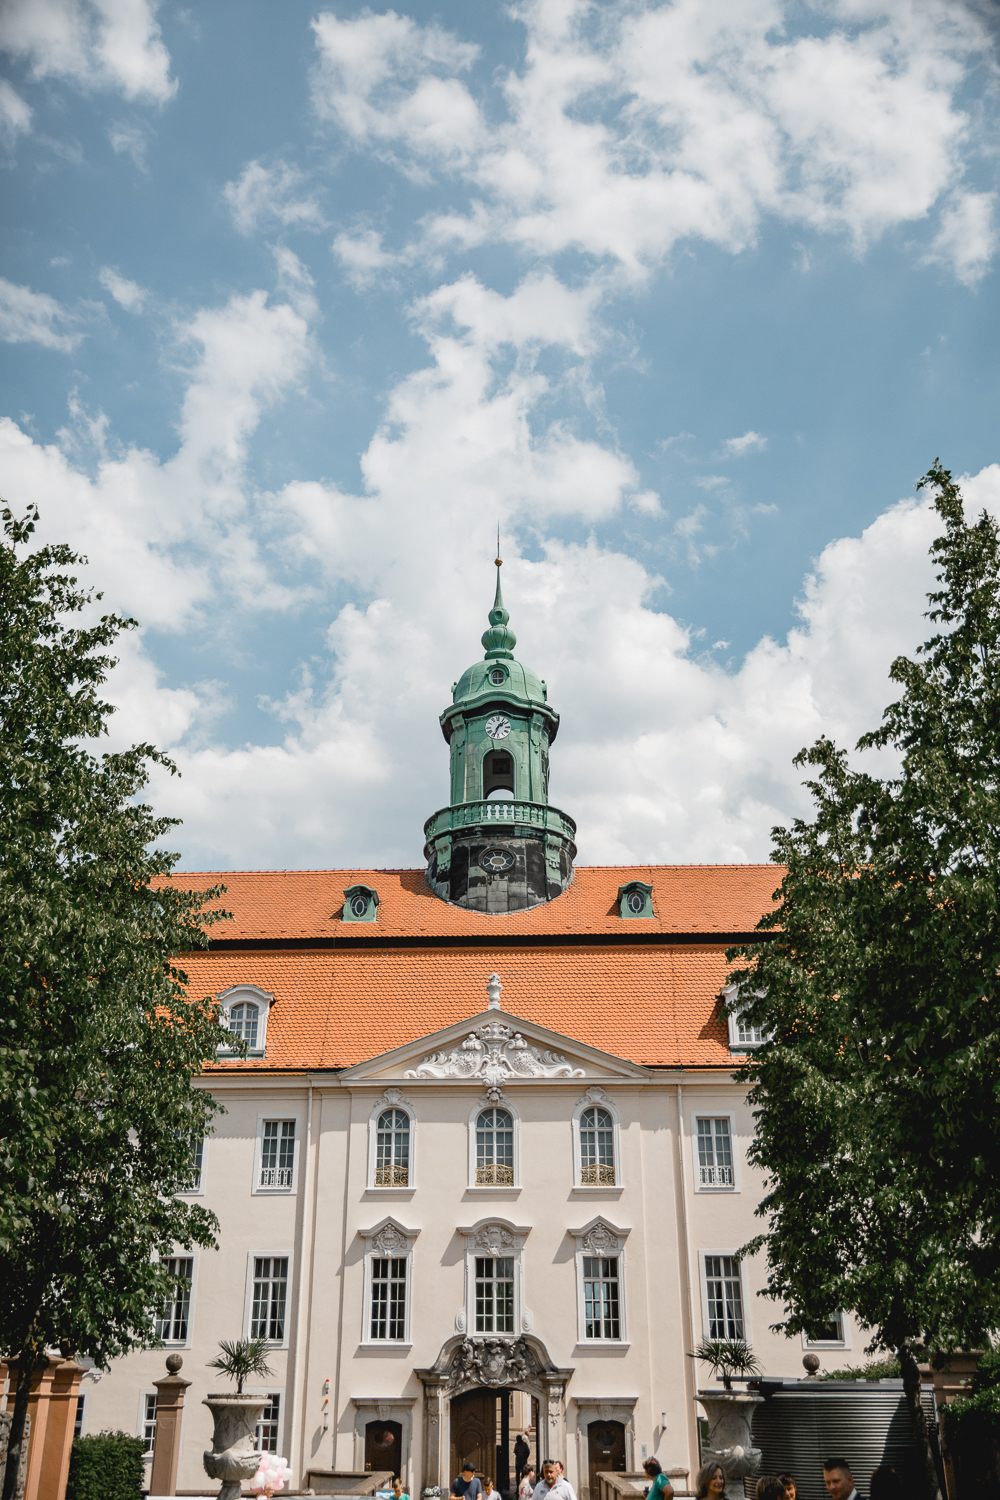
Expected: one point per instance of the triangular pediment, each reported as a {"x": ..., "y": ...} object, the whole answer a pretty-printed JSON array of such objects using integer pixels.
[{"x": 498, "y": 1049}]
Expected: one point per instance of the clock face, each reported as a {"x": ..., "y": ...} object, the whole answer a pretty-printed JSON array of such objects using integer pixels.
[{"x": 498, "y": 728}]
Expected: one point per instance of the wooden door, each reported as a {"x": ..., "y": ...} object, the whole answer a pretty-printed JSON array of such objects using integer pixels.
[
  {"x": 474, "y": 1432},
  {"x": 383, "y": 1447},
  {"x": 606, "y": 1450}
]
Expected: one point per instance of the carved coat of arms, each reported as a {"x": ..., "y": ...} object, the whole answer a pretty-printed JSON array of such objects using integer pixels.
[{"x": 497, "y": 1054}]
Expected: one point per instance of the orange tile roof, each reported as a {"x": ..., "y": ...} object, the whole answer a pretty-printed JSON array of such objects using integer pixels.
[
  {"x": 306, "y": 904},
  {"x": 348, "y": 991}
]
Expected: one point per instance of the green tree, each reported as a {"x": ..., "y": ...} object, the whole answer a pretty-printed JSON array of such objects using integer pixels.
[
  {"x": 99, "y": 1043},
  {"x": 876, "y": 980}
]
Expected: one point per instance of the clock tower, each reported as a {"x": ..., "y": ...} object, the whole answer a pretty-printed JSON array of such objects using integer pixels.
[{"x": 500, "y": 846}]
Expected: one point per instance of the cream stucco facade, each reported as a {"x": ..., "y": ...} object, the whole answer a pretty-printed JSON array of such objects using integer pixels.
[{"x": 324, "y": 1223}]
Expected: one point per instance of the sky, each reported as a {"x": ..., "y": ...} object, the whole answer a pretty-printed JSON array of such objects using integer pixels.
[{"x": 300, "y": 302}]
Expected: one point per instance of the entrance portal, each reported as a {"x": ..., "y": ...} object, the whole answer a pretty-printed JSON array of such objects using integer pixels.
[
  {"x": 605, "y": 1450},
  {"x": 481, "y": 1433}
]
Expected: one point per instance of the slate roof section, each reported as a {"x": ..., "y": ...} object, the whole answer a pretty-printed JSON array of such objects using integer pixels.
[{"x": 298, "y": 905}]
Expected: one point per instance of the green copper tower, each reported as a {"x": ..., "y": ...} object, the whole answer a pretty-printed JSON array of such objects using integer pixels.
[{"x": 486, "y": 852}]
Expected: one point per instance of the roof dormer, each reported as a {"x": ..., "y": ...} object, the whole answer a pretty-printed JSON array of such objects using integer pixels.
[
  {"x": 635, "y": 899},
  {"x": 360, "y": 904}
]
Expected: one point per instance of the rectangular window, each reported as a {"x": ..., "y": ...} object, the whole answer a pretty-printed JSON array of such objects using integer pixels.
[
  {"x": 267, "y": 1428},
  {"x": 277, "y": 1154},
  {"x": 833, "y": 1333},
  {"x": 193, "y": 1184},
  {"x": 745, "y": 1035},
  {"x": 81, "y": 1407},
  {"x": 148, "y": 1423},
  {"x": 270, "y": 1288},
  {"x": 600, "y": 1297},
  {"x": 724, "y": 1291},
  {"x": 172, "y": 1324},
  {"x": 715, "y": 1154},
  {"x": 388, "y": 1320},
  {"x": 494, "y": 1294}
]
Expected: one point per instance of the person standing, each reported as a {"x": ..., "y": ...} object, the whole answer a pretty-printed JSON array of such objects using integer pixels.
[
  {"x": 789, "y": 1484},
  {"x": 522, "y": 1451},
  {"x": 466, "y": 1486},
  {"x": 489, "y": 1493},
  {"x": 839, "y": 1480},
  {"x": 398, "y": 1493},
  {"x": 526, "y": 1488},
  {"x": 552, "y": 1483},
  {"x": 710, "y": 1482},
  {"x": 660, "y": 1487}
]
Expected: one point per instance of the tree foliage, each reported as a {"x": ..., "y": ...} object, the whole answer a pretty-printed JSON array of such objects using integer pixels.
[
  {"x": 99, "y": 1043},
  {"x": 876, "y": 979}
]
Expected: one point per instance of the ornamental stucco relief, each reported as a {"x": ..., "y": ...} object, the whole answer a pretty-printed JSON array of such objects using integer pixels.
[
  {"x": 493, "y": 1362},
  {"x": 497, "y": 1054}
]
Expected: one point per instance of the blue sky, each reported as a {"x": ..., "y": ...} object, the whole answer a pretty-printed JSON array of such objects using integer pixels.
[{"x": 299, "y": 300}]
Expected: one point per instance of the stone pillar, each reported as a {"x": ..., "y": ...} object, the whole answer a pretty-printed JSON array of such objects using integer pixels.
[
  {"x": 55, "y": 1387},
  {"x": 167, "y": 1439},
  {"x": 434, "y": 1416}
]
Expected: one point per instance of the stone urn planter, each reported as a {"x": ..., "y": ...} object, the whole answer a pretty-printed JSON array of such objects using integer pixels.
[
  {"x": 730, "y": 1414},
  {"x": 231, "y": 1457}
]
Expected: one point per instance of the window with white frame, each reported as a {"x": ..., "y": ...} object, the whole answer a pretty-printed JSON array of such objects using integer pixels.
[
  {"x": 392, "y": 1149},
  {"x": 494, "y": 1148},
  {"x": 195, "y": 1179},
  {"x": 388, "y": 1298},
  {"x": 601, "y": 1300},
  {"x": 80, "y": 1419},
  {"x": 741, "y": 1033},
  {"x": 268, "y": 1427},
  {"x": 494, "y": 1294},
  {"x": 147, "y": 1422},
  {"x": 723, "y": 1291},
  {"x": 597, "y": 1148},
  {"x": 832, "y": 1336},
  {"x": 388, "y": 1278},
  {"x": 245, "y": 1011},
  {"x": 172, "y": 1324},
  {"x": 277, "y": 1154},
  {"x": 716, "y": 1167},
  {"x": 600, "y": 1271},
  {"x": 269, "y": 1295}
]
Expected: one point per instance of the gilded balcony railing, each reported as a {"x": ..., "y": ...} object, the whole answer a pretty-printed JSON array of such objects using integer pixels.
[
  {"x": 597, "y": 1174},
  {"x": 495, "y": 1175},
  {"x": 392, "y": 1176}
]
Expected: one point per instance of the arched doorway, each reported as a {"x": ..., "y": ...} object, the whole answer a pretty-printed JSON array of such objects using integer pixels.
[
  {"x": 383, "y": 1447},
  {"x": 605, "y": 1451}
]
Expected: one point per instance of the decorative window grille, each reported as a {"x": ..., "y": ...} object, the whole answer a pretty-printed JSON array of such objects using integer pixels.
[
  {"x": 270, "y": 1288},
  {"x": 494, "y": 1149},
  {"x": 600, "y": 1297},
  {"x": 392, "y": 1149},
  {"x": 243, "y": 1021},
  {"x": 266, "y": 1440},
  {"x": 148, "y": 1423},
  {"x": 715, "y": 1154},
  {"x": 494, "y": 1294},
  {"x": 172, "y": 1324},
  {"x": 597, "y": 1148},
  {"x": 725, "y": 1297},
  {"x": 277, "y": 1154},
  {"x": 81, "y": 1406},
  {"x": 388, "y": 1320}
]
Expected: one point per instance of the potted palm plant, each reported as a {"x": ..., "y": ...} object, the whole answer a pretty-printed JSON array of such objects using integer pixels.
[
  {"x": 729, "y": 1412},
  {"x": 231, "y": 1457}
]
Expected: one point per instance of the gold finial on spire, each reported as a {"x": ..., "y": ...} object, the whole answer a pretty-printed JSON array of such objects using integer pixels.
[{"x": 499, "y": 559}]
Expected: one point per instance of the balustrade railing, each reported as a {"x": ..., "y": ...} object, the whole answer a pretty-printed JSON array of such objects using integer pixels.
[{"x": 515, "y": 816}]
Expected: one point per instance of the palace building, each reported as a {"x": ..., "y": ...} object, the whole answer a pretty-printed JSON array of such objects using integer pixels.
[{"x": 483, "y": 1170}]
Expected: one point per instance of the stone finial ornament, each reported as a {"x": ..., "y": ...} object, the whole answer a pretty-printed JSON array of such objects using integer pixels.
[{"x": 493, "y": 988}]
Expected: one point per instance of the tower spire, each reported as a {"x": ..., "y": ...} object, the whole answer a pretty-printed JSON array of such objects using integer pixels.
[{"x": 499, "y": 640}]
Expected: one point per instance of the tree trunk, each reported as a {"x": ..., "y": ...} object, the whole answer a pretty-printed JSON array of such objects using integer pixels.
[
  {"x": 15, "y": 1438},
  {"x": 911, "y": 1389}
]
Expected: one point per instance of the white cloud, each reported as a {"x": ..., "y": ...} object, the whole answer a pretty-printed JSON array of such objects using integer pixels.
[
  {"x": 665, "y": 123},
  {"x": 28, "y": 317},
  {"x": 263, "y": 193},
  {"x": 967, "y": 239},
  {"x": 750, "y": 442},
  {"x": 15, "y": 114},
  {"x": 130, "y": 140},
  {"x": 362, "y": 256},
  {"x": 129, "y": 294},
  {"x": 97, "y": 43}
]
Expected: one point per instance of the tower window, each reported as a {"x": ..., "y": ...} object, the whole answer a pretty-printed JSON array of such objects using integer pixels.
[
  {"x": 501, "y": 765},
  {"x": 498, "y": 676}
]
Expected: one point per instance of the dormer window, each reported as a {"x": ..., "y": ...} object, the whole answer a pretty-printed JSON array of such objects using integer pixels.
[
  {"x": 360, "y": 904},
  {"x": 742, "y": 1035},
  {"x": 635, "y": 900},
  {"x": 245, "y": 1010}
]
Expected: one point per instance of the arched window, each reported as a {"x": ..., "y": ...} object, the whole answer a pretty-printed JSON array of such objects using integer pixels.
[
  {"x": 392, "y": 1149},
  {"x": 597, "y": 1148},
  {"x": 494, "y": 1149},
  {"x": 243, "y": 1020}
]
